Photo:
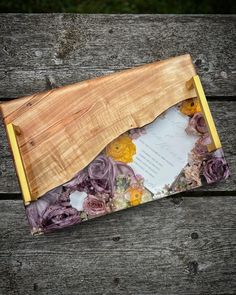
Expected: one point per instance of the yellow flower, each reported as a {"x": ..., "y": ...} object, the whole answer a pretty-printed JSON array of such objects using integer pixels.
[
  {"x": 190, "y": 106},
  {"x": 121, "y": 149},
  {"x": 135, "y": 196}
]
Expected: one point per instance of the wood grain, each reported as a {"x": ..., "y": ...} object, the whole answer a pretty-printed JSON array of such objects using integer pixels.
[
  {"x": 64, "y": 129},
  {"x": 171, "y": 246},
  {"x": 181, "y": 245},
  {"x": 40, "y": 51},
  {"x": 223, "y": 114}
]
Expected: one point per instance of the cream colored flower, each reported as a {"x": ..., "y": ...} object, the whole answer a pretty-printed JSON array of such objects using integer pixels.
[{"x": 146, "y": 197}]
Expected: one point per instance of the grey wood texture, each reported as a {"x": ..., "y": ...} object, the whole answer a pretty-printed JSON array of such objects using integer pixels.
[
  {"x": 43, "y": 51},
  {"x": 164, "y": 247},
  {"x": 178, "y": 245}
]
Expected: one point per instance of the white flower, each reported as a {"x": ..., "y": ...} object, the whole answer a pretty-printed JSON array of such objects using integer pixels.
[
  {"x": 146, "y": 196},
  {"x": 120, "y": 201}
]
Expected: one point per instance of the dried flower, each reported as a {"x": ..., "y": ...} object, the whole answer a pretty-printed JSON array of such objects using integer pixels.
[
  {"x": 196, "y": 124},
  {"x": 78, "y": 181},
  {"x": 99, "y": 176},
  {"x": 122, "y": 184},
  {"x": 135, "y": 195},
  {"x": 200, "y": 148},
  {"x": 102, "y": 173},
  {"x": 190, "y": 106},
  {"x": 126, "y": 171},
  {"x": 58, "y": 216},
  {"x": 121, "y": 149},
  {"x": 94, "y": 205},
  {"x": 192, "y": 174},
  {"x": 146, "y": 196},
  {"x": 137, "y": 132},
  {"x": 215, "y": 168},
  {"x": 120, "y": 201},
  {"x": 52, "y": 211}
]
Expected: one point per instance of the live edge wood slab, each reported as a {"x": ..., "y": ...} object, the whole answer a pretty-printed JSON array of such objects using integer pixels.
[
  {"x": 178, "y": 245},
  {"x": 64, "y": 129}
]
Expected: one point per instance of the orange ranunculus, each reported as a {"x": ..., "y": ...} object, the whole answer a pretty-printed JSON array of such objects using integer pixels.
[
  {"x": 190, "y": 106},
  {"x": 121, "y": 149},
  {"x": 135, "y": 196}
]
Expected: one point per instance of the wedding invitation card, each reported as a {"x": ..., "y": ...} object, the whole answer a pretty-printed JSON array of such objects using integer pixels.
[{"x": 162, "y": 150}]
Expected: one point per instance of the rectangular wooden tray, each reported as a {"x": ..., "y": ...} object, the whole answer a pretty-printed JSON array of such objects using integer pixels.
[{"x": 55, "y": 134}]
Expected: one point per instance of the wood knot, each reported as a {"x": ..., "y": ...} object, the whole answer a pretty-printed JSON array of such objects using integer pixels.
[
  {"x": 32, "y": 142},
  {"x": 194, "y": 236},
  {"x": 35, "y": 287},
  {"x": 116, "y": 281},
  {"x": 198, "y": 62},
  {"x": 193, "y": 267},
  {"x": 116, "y": 239}
]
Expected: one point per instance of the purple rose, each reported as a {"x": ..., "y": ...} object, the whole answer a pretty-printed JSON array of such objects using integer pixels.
[
  {"x": 122, "y": 169},
  {"x": 200, "y": 148},
  {"x": 52, "y": 211},
  {"x": 196, "y": 124},
  {"x": 94, "y": 205},
  {"x": 78, "y": 181},
  {"x": 102, "y": 173},
  {"x": 215, "y": 169},
  {"x": 99, "y": 176},
  {"x": 59, "y": 216}
]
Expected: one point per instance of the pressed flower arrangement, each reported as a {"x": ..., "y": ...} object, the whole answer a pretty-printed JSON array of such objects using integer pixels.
[
  {"x": 109, "y": 183},
  {"x": 111, "y": 143}
]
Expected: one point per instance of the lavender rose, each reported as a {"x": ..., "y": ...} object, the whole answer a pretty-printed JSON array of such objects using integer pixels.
[
  {"x": 94, "y": 205},
  {"x": 122, "y": 169},
  {"x": 200, "y": 148},
  {"x": 52, "y": 211},
  {"x": 100, "y": 175},
  {"x": 215, "y": 169},
  {"x": 58, "y": 216},
  {"x": 78, "y": 182},
  {"x": 196, "y": 125}
]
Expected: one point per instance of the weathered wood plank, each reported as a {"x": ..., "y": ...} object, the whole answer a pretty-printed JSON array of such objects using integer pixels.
[
  {"x": 41, "y": 51},
  {"x": 167, "y": 247},
  {"x": 225, "y": 117}
]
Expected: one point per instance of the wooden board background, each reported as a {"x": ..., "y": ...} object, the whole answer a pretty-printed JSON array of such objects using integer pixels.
[{"x": 178, "y": 245}]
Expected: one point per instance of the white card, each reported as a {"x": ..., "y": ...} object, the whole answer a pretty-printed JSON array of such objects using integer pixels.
[{"x": 162, "y": 152}]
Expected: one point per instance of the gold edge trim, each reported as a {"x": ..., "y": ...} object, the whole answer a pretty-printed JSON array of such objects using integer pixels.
[
  {"x": 12, "y": 131},
  {"x": 196, "y": 83}
]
